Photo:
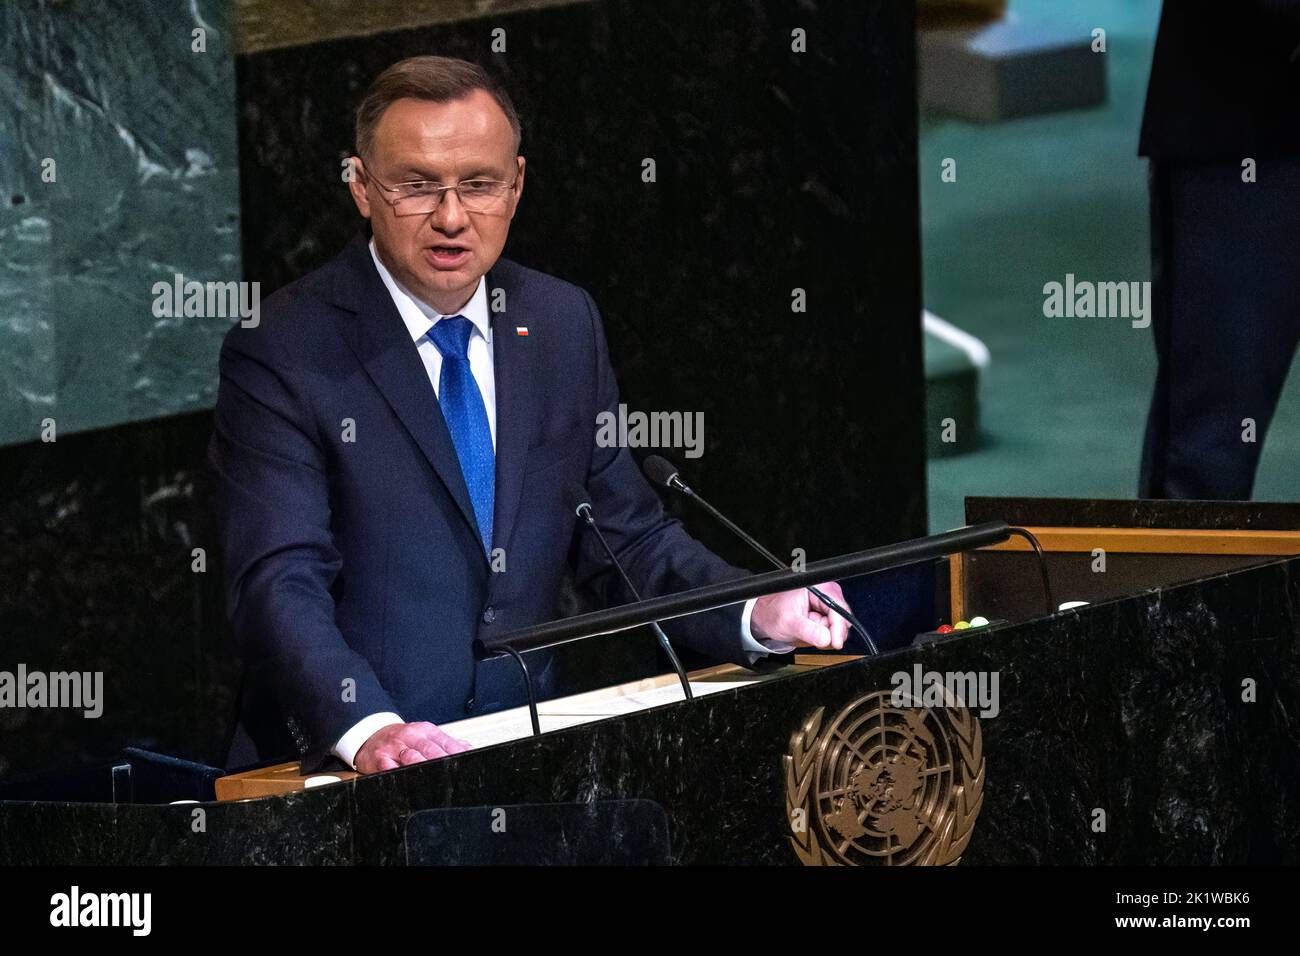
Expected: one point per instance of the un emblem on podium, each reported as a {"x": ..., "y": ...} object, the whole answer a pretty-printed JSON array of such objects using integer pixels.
[{"x": 884, "y": 785}]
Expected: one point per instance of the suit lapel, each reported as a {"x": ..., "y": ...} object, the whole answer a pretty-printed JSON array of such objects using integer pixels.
[
  {"x": 391, "y": 359},
  {"x": 518, "y": 410}
]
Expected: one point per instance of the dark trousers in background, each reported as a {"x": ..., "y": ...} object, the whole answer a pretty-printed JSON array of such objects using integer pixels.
[{"x": 1225, "y": 267}]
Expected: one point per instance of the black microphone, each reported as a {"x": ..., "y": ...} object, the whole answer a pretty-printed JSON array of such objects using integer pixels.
[
  {"x": 582, "y": 508},
  {"x": 662, "y": 472}
]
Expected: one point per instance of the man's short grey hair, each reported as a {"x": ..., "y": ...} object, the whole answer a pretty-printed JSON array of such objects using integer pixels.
[{"x": 438, "y": 79}]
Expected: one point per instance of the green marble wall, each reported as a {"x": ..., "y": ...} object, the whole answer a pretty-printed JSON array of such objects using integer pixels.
[{"x": 118, "y": 169}]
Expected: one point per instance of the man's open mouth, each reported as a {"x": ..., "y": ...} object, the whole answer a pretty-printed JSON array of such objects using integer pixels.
[{"x": 448, "y": 254}]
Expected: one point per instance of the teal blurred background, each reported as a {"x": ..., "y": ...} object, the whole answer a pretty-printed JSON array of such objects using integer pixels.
[{"x": 1063, "y": 402}]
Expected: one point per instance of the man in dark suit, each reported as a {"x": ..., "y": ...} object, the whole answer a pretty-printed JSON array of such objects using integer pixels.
[
  {"x": 393, "y": 445},
  {"x": 1222, "y": 130}
]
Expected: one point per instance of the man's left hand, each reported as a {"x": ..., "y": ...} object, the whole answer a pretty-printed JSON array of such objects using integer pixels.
[{"x": 801, "y": 618}]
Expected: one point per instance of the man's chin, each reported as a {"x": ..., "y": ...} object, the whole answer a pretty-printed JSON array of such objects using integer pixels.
[
  {"x": 447, "y": 279},
  {"x": 441, "y": 283},
  {"x": 448, "y": 282}
]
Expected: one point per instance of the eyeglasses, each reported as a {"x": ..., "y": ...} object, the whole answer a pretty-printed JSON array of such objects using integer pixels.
[{"x": 421, "y": 197}]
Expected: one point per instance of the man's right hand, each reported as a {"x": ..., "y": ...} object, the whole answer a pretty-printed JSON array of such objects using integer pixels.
[{"x": 398, "y": 745}]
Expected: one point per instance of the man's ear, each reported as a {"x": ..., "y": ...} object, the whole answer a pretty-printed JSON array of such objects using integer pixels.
[
  {"x": 357, "y": 186},
  {"x": 519, "y": 188}
]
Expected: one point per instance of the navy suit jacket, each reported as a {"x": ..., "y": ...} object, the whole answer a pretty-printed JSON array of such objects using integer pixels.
[
  {"x": 355, "y": 579},
  {"x": 1225, "y": 82}
]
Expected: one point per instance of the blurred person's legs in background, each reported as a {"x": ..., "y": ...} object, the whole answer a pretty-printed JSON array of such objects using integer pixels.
[{"x": 1225, "y": 268}]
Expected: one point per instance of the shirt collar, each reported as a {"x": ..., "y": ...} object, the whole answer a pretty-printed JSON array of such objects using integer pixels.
[{"x": 418, "y": 316}]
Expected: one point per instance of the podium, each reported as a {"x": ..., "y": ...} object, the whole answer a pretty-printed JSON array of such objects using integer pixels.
[
  {"x": 511, "y": 725},
  {"x": 1149, "y": 726}
]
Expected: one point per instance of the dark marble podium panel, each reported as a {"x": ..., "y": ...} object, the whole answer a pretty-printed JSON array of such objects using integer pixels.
[{"x": 1133, "y": 707}]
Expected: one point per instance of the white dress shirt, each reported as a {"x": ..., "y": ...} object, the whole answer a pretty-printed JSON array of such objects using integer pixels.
[{"x": 419, "y": 318}]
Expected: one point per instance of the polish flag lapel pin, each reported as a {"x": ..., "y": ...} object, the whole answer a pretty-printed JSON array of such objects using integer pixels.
[{"x": 521, "y": 330}]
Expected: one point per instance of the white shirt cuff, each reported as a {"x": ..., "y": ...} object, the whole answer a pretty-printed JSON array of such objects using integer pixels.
[
  {"x": 348, "y": 745},
  {"x": 755, "y": 648}
]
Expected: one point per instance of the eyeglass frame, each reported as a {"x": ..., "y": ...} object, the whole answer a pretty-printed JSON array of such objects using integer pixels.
[{"x": 442, "y": 190}]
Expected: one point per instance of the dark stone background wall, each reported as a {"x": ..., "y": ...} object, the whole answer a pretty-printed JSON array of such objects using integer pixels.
[
  {"x": 97, "y": 573},
  {"x": 96, "y": 527},
  {"x": 776, "y": 170}
]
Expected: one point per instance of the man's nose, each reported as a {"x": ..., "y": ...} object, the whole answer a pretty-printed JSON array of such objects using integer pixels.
[{"x": 450, "y": 216}]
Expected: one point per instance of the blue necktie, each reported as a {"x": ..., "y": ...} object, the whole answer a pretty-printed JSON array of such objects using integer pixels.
[{"x": 462, "y": 408}]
